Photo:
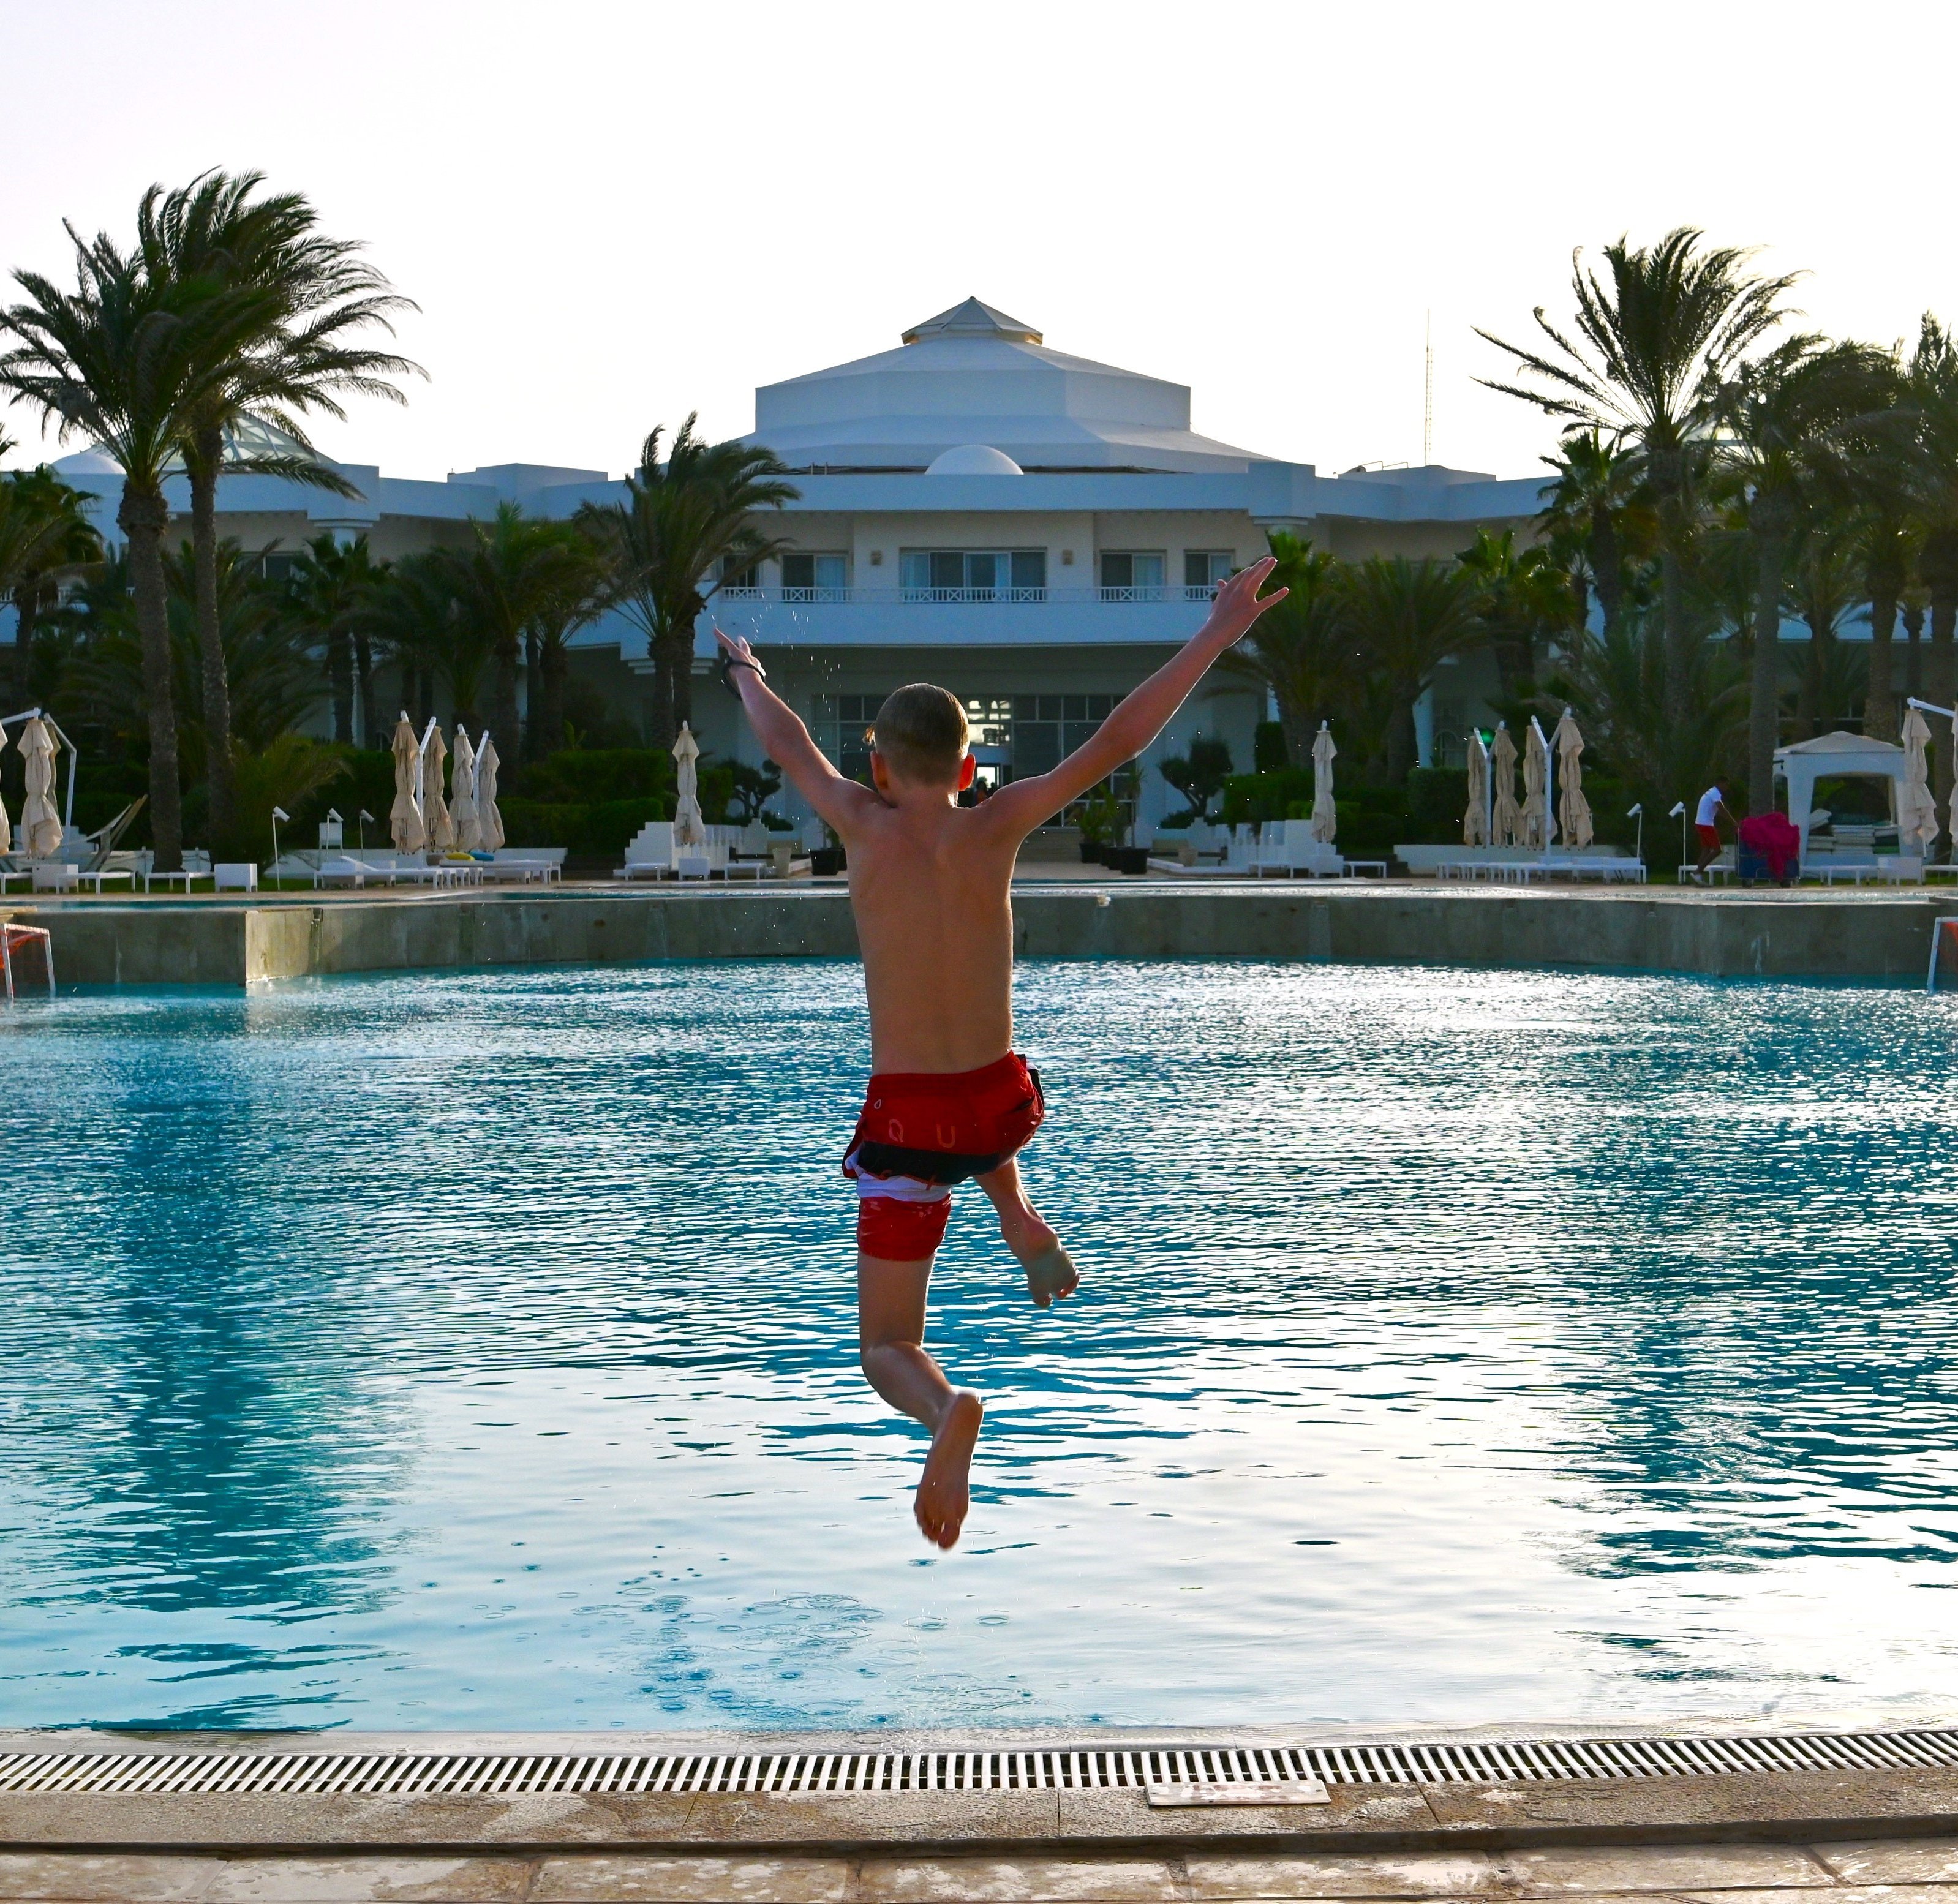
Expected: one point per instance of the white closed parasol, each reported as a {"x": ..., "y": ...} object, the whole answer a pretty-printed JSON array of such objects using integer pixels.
[
  {"x": 689, "y": 829},
  {"x": 40, "y": 819},
  {"x": 1325, "y": 815},
  {"x": 1506, "y": 826},
  {"x": 1475, "y": 816},
  {"x": 489, "y": 821},
  {"x": 1536, "y": 780},
  {"x": 1917, "y": 811},
  {"x": 435, "y": 809},
  {"x": 405, "y": 823},
  {"x": 1573, "y": 810},
  {"x": 6, "y": 824},
  {"x": 462, "y": 794}
]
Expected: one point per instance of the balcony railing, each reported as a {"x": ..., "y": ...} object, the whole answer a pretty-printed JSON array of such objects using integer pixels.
[{"x": 866, "y": 597}]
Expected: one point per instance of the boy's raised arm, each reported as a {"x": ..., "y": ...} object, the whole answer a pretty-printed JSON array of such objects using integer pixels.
[
  {"x": 786, "y": 741},
  {"x": 1026, "y": 804}
]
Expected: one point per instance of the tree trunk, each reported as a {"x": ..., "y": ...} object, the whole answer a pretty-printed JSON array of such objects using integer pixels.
[
  {"x": 26, "y": 613},
  {"x": 1403, "y": 748},
  {"x": 1607, "y": 575},
  {"x": 1913, "y": 658},
  {"x": 424, "y": 699},
  {"x": 547, "y": 716},
  {"x": 682, "y": 679},
  {"x": 533, "y": 690},
  {"x": 1299, "y": 733},
  {"x": 1938, "y": 683},
  {"x": 1937, "y": 564},
  {"x": 340, "y": 673},
  {"x": 1679, "y": 641},
  {"x": 202, "y": 468},
  {"x": 665, "y": 724},
  {"x": 142, "y": 518},
  {"x": 373, "y": 733},
  {"x": 1884, "y": 581},
  {"x": 503, "y": 719},
  {"x": 1770, "y": 529}
]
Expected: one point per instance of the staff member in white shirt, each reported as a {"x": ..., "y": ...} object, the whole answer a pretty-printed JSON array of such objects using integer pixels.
[{"x": 1712, "y": 804}]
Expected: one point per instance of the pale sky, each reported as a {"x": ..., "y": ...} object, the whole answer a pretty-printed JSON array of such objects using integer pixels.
[{"x": 612, "y": 214}]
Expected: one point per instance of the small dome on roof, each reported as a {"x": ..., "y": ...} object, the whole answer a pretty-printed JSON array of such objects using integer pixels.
[
  {"x": 92, "y": 461},
  {"x": 972, "y": 459},
  {"x": 973, "y": 319}
]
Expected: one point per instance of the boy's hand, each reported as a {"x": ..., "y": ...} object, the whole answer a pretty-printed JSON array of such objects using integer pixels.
[
  {"x": 1238, "y": 604},
  {"x": 734, "y": 648}
]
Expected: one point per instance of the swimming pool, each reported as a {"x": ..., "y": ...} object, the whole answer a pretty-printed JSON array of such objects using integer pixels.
[{"x": 473, "y": 1350}]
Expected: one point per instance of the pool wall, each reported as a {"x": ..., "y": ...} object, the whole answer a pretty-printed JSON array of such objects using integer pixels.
[{"x": 1766, "y": 935}]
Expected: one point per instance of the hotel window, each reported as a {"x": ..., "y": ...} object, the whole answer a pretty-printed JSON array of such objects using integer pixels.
[
  {"x": 812, "y": 579},
  {"x": 740, "y": 582},
  {"x": 841, "y": 724},
  {"x": 973, "y": 574},
  {"x": 1127, "y": 576},
  {"x": 1048, "y": 727},
  {"x": 1203, "y": 569},
  {"x": 990, "y": 719}
]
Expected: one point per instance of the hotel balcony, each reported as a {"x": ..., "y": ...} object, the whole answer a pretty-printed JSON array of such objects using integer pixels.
[{"x": 955, "y": 617}]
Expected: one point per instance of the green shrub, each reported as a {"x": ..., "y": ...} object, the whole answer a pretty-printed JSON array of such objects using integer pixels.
[
  {"x": 590, "y": 830},
  {"x": 1252, "y": 799},
  {"x": 1268, "y": 747},
  {"x": 1437, "y": 799},
  {"x": 574, "y": 776}
]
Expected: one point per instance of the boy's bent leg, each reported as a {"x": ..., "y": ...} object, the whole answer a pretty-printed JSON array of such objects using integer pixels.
[
  {"x": 1050, "y": 1271},
  {"x": 890, "y": 1327}
]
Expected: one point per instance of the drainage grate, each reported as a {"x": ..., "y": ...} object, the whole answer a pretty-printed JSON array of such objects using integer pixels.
[{"x": 404, "y": 1774}]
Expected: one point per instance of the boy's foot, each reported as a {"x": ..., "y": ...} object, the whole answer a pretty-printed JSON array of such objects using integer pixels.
[
  {"x": 1050, "y": 1276},
  {"x": 943, "y": 1496}
]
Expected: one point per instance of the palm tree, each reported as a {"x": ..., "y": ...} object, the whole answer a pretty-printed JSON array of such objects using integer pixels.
[
  {"x": 129, "y": 360},
  {"x": 1522, "y": 598},
  {"x": 1302, "y": 649},
  {"x": 328, "y": 593},
  {"x": 310, "y": 296},
  {"x": 514, "y": 574},
  {"x": 1595, "y": 512},
  {"x": 580, "y": 600},
  {"x": 1789, "y": 422},
  {"x": 1931, "y": 397},
  {"x": 1653, "y": 347},
  {"x": 415, "y": 615},
  {"x": 683, "y": 528},
  {"x": 46, "y": 538},
  {"x": 1408, "y": 617},
  {"x": 1826, "y": 578}
]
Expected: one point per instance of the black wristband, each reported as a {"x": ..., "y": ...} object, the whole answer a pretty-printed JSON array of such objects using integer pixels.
[{"x": 728, "y": 663}]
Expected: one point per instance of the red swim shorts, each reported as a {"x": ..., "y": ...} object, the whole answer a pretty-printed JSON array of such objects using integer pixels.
[
  {"x": 1710, "y": 837},
  {"x": 921, "y": 1132}
]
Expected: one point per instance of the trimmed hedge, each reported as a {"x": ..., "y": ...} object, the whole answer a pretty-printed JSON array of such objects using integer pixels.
[{"x": 590, "y": 829}]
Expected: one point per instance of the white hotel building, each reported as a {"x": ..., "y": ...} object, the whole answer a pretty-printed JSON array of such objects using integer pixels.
[{"x": 1033, "y": 531}]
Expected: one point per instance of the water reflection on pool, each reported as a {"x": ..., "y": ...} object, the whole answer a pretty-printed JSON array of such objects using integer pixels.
[{"x": 471, "y": 1350}]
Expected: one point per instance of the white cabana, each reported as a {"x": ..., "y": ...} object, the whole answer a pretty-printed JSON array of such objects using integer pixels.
[
  {"x": 489, "y": 817},
  {"x": 40, "y": 819},
  {"x": 1325, "y": 815},
  {"x": 1573, "y": 810},
  {"x": 1506, "y": 826},
  {"x": 1837, "y": 756},
  {"x": 1475, "y": 816},
  {"x": 404, "y": 819},
  {"x": 462, "y": 794},
  {"x": 435, "y": 809},
  {"x": 1536, "y": 790},
  {"x": 1917, "y": 811},
  {"x": 689, "y": 829}
]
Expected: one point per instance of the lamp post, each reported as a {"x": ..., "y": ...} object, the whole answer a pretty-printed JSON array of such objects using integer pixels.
[
  {"x": 360, "y": 827},
  {"x": 1637, "y": 811},
  {"x": 1679, "y": 813},
  {"x": 278, "y": 813}
]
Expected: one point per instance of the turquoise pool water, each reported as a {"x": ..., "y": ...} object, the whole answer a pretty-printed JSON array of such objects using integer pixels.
[{"x": 476, "y": 1349}]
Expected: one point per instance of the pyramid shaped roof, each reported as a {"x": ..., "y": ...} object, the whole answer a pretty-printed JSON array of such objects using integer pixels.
[{"x": 973, "y": 319}]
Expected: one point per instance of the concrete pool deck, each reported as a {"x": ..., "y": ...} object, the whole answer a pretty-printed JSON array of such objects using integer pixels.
[
  {"x": 226, "y": 941},
  {"x": 1888, "y": 1837}
]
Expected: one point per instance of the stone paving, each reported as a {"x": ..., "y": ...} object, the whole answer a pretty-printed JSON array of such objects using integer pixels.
[{"x": 1882, "y": 1871}]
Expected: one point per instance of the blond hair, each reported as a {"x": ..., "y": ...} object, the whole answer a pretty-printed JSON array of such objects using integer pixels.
[{"x": 921, "y": 732}]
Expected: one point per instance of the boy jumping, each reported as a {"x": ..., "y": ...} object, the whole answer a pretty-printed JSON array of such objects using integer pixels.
[{"x": 930, "y": 884}]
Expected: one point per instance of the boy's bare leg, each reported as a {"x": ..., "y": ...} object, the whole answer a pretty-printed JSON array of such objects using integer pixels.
[
  {"x": 1050, "y": 1273},
  {"x": 890, "y": 1329}
]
